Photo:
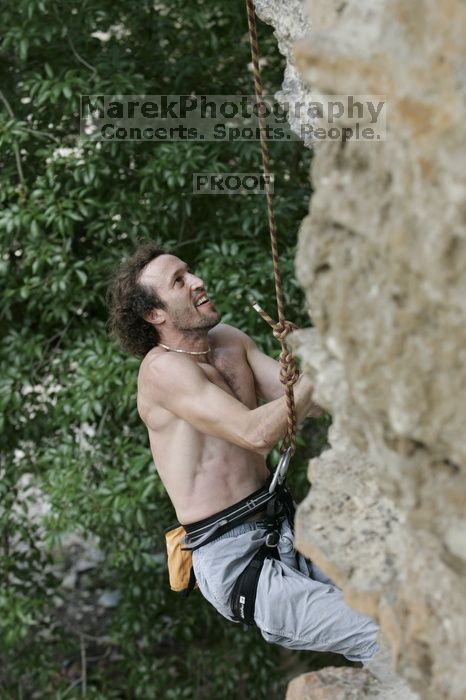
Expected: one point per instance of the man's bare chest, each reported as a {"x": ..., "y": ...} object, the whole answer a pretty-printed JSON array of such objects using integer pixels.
[{"x": 230, "y": 370}]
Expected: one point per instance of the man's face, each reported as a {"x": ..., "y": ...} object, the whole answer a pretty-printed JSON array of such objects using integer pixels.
[{"x": 182, "y": 292}]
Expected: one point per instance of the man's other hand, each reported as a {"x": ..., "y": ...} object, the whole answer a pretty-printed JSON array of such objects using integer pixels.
[{"x": 305, "y": 385}]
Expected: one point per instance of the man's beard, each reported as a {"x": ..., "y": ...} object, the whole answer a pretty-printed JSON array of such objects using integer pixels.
[{"x": 184, "y": 322}]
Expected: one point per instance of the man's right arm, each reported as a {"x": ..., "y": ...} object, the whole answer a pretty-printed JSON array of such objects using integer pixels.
[{"x": 180, "y": 386}]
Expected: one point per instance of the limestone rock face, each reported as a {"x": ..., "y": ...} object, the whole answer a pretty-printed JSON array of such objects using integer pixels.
[
  {"x": 333, "y": 684},
  {"x": 343, "y": 684},
  {"x": 382, "y": 259},
  {"x": 340, "y": 684},
  {"x": 291, "y": 22}
]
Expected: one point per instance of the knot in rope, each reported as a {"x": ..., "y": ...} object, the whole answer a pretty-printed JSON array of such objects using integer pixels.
[
  {"x": 281, "y": 329},
  {"x": 289, "y": 373}
]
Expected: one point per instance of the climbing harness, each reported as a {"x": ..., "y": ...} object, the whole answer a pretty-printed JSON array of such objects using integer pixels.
[
  {"x": 181, "y": 540},
  {"x": 281, "y": 505},
  {"x": 204, "y": 531},
  {"x": 273, "y": 499},
  {"x": 243, "y": 596}
]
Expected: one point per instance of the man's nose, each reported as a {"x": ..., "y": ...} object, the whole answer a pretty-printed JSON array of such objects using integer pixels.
[{"x": 196, "y": 282}]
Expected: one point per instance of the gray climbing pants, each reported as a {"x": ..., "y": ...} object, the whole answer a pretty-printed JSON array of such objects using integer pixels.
[{"x": 297, "y": 606}]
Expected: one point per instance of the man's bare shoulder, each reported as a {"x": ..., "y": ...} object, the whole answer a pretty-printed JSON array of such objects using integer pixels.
[
  {"x": 159, "y": 365},
  {"x": 159, "y": 359},
  {"x": 225, "y": 334}
]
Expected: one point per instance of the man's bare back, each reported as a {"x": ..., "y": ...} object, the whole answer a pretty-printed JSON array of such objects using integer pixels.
[{"x": 202, "y": 473}]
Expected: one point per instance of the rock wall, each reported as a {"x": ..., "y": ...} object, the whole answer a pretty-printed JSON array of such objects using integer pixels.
[{"x": 382, "y": 259}]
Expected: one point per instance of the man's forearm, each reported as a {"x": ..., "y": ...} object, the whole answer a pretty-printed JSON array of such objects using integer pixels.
[{"x": 270, "y": 421}]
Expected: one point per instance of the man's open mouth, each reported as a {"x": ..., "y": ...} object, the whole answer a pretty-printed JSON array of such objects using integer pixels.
[{"x": 203, "y": 300}]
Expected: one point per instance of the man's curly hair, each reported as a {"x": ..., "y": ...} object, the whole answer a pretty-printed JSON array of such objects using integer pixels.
[{"x": 128, "y": 301}]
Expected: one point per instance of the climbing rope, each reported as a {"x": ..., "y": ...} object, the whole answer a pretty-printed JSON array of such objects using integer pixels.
[{"x": 288, "y": 371}]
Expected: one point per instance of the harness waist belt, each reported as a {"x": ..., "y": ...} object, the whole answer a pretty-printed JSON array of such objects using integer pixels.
[{"x": 205, "y": 530}]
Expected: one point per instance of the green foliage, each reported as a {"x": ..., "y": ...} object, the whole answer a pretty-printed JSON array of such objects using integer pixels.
[{"x": 69, "y": 211}]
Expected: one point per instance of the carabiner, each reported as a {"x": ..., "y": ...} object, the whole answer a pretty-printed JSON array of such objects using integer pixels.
[{"x": 280, "y": 472}]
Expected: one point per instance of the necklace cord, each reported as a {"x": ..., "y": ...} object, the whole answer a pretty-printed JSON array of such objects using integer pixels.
[{"x": 187, "y": 352}]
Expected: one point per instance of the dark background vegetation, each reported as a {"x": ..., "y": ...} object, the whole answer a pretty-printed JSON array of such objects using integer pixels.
[{"x": 69, "y": 211}]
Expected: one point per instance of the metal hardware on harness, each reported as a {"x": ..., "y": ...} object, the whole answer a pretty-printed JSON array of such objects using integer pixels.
[
  {"x": 280, "y": 471},
  {"x": 272, "y": 539},
  {"x": 274, "y": 509}
]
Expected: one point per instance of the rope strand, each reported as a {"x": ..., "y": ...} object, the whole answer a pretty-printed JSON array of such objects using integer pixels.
[{"x": 288, "y": 371}]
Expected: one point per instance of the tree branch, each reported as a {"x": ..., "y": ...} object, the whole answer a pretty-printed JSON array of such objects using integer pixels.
[
  {"x": 80, "y": 58},
  {"x": 19, "y": 166}
]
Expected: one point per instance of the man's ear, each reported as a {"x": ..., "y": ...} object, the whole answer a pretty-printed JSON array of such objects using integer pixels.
[{"x": 155, "y": 316}]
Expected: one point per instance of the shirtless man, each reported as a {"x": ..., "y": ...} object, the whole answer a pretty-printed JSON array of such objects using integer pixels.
[
  {"x": 207, "y": 434},
  {"x": 198, "y": 388}
]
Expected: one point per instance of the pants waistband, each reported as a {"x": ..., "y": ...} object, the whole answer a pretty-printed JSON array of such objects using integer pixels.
[{"x": 238, "y": 512}]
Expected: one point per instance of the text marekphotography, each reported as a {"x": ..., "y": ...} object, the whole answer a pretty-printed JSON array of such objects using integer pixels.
[{"x": 232, "y": 118}]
